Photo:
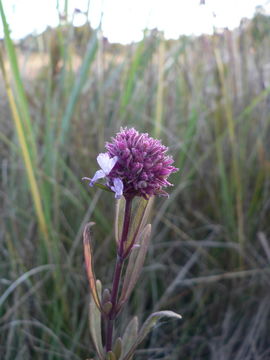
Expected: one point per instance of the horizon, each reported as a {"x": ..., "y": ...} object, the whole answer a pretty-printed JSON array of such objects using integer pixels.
[{"x": 173, "y": 19}]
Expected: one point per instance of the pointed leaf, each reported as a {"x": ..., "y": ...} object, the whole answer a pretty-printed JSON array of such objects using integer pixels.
[
  {"x": 89, "y": 264},
  {"x": 135, "y": 264},
  {"x": 140, "y": 212},
  {"x": 130, "y": 335},
  {"x": 139, "y": 215},
  {"x": 119, "y": 218},
  {"x": 118, "y": 348},
  {"x": 103, "y": 187},
  {"x": 147, "y": 327},
  {"x": 110, "y": 356},
  {"x": 95, "y": 323}
]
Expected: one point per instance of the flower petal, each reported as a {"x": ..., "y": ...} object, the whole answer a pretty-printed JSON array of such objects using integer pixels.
[
  {"x": 106, "y": 163},
  {"x": 98, "y": 175},
  {"x": 117, "y": 187}
]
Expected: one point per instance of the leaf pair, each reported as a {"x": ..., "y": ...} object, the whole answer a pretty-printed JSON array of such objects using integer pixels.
[
  {"x": 132, "y": 338},
  {"x": 135, "y": 265},
  {"x": 139, "y": 217},
  {"x": 137, "y": 244}
]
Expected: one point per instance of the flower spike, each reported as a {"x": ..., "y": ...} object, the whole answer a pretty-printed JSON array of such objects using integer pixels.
[
  {"x": 142, "y": 164},
  {"x": 134, "y": 165}
]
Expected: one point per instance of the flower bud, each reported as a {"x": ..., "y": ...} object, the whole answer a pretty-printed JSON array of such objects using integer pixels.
[
  {"x": 107, "y": 307},
  {"x": 106, "y": 296}
]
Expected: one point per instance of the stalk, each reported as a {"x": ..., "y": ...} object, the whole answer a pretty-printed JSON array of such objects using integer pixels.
[{"x": 117, "y": 275}]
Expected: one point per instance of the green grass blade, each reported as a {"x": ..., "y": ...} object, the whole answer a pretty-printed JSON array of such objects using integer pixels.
[{"x": 84, "y": 70}]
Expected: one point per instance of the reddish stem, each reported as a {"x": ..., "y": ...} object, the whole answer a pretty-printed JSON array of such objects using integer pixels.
[{"x": 117, "y": 274}]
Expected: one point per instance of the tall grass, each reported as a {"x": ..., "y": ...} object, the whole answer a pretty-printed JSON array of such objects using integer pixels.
[{"x": 208, "y": 99}]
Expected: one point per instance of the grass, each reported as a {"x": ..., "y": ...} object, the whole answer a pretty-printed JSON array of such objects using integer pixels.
[{"x": 208, "y": 99}]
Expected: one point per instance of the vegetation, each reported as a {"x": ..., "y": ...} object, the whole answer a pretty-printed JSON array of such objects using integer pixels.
[{"x": 208, "y": 99}]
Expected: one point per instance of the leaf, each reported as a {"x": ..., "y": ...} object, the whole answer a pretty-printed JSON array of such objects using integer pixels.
[
  {"x": 19, "y": 91},
  {"x": 95, "y": 323},
  {"x": 139, "y": 216},
  {"x": 103, "y": 187},
  {"x": 119, "y": 219},
  {"x": 118, "y": 348},
  {"x": 110, "y": 356},
  {"x": 89, "y": 264},
  {"x": 147, "y": 327},
  {"x": 130, "y": 335},
  {"x": 135, "y": 264}
]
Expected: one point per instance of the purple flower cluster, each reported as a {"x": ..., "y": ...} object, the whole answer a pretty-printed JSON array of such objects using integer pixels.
[{"x": 135, "y": 165}]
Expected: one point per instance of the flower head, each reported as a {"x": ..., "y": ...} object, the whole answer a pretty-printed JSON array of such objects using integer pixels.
[{"x": 135, "y": 165}]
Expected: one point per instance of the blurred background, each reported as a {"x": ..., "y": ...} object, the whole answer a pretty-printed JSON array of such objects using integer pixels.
[{"x": 195, "y": 74}]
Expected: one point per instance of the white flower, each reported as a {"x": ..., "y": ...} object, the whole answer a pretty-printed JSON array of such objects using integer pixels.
[
  {"x": 117, "y": 187},
  {"x": 107, "y": 164}
]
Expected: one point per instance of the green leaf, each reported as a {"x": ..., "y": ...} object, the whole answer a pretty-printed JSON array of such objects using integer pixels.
[
  {"x": 130, "y": 335},
  {"x": 25, "y": 132},
  {"x": 131, "y": 77},
  {"x": 20, "y": 95},
  {"x": 138, "y": 211},
  {"x": 139, "y": 215},
  {"x": 118, "y": 348},
  {"x": 110, "y": 356},
  {"x": 135, "y": 264},
  {"x": 119, "y": 219},
  {"x": 147, "y": 327},
  {"x": 95, "y": 323},
  {"x": 103, "y": 187}
]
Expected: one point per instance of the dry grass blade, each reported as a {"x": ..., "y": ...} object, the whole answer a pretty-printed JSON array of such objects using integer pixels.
[
  {"x": 265, "y": 244},
  {"x": 26, "y": 155},
  {"x": 207, "y": 98},
  {"x": 22, "y": 278},
  {"x": 219, "y": 277},
  {"x": 178, "y": 280}
]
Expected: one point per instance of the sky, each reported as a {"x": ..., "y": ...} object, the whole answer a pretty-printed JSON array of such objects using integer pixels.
[{"x": 124, "y": 20}]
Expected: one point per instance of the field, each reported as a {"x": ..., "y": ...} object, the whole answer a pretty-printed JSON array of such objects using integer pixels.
[{"x": 63, "y": 95}]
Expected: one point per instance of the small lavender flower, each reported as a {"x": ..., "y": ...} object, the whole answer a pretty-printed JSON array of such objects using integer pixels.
[
  {"x": 107, "y": 164},
  {"x": 135, "y": 165}
]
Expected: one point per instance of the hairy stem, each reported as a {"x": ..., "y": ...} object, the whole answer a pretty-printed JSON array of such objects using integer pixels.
[{"x": 117, "y": 275}]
